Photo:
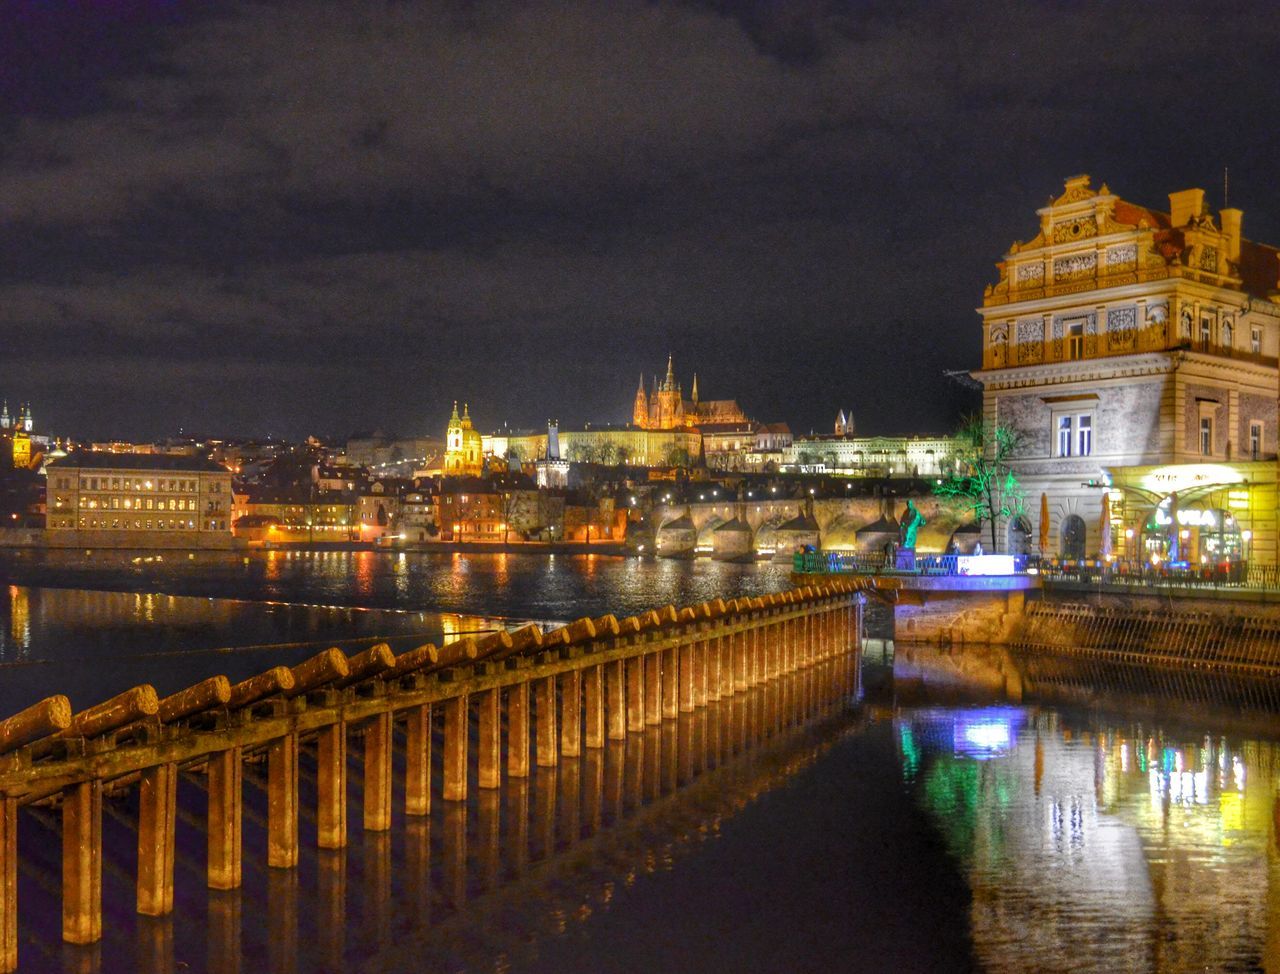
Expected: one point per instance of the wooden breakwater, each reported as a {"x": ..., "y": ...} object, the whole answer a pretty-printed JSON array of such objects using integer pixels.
[{"x": 555, "y": 692}]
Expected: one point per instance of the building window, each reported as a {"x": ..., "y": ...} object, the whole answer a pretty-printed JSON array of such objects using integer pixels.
[
  {"x": 1228, "y": 335},
  {"x": 1084, "y": 435},
  {"x": 1074, "y": 434},
  {"x": 1075, "y": 341},
  {"x": 1206, "y": 436},
  {"x": 1255, "y": 341},
  {"x": 1206, "y": 326},
  {"x": 1255, "y": 440}
]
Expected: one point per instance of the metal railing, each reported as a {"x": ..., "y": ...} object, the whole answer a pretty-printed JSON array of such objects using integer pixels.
[
  {"x": 1236, "y": 574},
  {"x": 877, "y": 563}
]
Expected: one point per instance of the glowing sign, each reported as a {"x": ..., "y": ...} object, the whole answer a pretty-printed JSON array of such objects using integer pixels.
[
  {"x": 985, "y": 565},
  {"x": 1164, "y": 480}
]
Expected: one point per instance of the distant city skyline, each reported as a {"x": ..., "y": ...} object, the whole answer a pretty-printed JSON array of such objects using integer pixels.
[{"x": 315, "y": 217}]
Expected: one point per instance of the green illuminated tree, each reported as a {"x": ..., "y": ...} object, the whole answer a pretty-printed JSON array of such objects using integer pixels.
[{"x": 984, "y": 481}]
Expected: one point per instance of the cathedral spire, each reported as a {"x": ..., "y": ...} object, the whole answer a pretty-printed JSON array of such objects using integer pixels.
[
  {"x": 694, "y": 394},
  {"x": 454, "y": 420},
  {"x": 670, "y": 383}
]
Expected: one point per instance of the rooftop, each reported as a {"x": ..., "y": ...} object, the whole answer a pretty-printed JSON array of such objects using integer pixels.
[{"x": 96, "y": 460}]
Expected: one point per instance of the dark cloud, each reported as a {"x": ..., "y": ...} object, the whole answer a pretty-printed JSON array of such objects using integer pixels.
[{"x": 325, "y": 215}]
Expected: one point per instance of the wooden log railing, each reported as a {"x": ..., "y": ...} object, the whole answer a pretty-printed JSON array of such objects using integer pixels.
[{"x": 561, "y": 691}]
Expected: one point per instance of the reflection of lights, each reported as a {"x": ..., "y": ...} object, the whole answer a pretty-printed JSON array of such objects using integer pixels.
[{"x": 988, "y": 737}]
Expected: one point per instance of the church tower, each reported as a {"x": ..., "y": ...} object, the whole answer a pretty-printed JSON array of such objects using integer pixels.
[
  {"x": 453, "y": 444},
  {"x": 5, "y": 419},
  {"x": 640, "y": 412}
]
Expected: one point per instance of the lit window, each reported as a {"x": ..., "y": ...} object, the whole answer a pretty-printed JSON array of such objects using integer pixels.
[
  {"x": 1075, "y": 341},
  {"x": 1255, "y": 440},
  {"x": 1206, "y": 436},
  {"x": 1084, "y": 435},
  {"x": 1206, "y": 326},
  {"x": 1064, "y": 436},
  {"x": 1255, "y": 341}
]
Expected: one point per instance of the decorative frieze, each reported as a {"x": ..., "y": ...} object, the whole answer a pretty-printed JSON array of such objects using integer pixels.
[
  {"x": 1030, "y": 275},
  {"x": 1077, "y": 229},
  {"x": 1075, "y": 266},
  {"x": 1030, "y": 340},
  {"x": 1122, "y": 327},
  {"x": 1122, "y": 258}
]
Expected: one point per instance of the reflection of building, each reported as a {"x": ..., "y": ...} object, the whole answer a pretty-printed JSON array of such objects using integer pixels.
[
  {"x": 665, "y": 408},
  {"x": 1114, "y": 849},
  {"x": 1124, "y": 337},
  {"x": 106, "y": 500},
  {"x": 463, "y": 456}
]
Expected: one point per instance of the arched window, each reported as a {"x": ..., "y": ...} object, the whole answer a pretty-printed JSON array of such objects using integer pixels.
[{"x": 1073, "y": 537}]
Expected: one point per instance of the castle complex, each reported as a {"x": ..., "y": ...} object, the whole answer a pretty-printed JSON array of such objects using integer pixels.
[
  {"x": 1134, "y": 352},
  {"x": 665, "y": 408}
]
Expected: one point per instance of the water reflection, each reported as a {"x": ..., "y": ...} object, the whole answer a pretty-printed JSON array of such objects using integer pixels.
[
  {"x": 1096, "y": 845},
  {"x": 518, "y": 585},
  {"x": 475, "y": 886}
]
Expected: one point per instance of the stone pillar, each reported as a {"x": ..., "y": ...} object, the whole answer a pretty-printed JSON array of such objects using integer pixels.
[
  {"x": 615, "y": 700},
  {"x": 653, "y": 688},
  {"x": 547, "y": 744},
  {"x": 635, "y": 694},
  {"x": 714, "y": 648},
  {"x": 571, "y": 714},
  {"x": 489, "y": 772},
  {"x": 518, "y": 731},
  {"x": 8, "y": 884},
  {"x": 377, "y": 773},
  {"x": 417, "y": 761},
  {"x": 224, "y": 818},
  {"x": 157, "y": 821},
  {"x": 331, "y": 784},
  {"x": 593, "y": 705},
  {"x": 686, "y": 670},
  {"x": 455, "y": 749},
  {"x": 670, "y": 685},
  {"x": 82, "y": 863},
  {"x": 282, "y": 802}
]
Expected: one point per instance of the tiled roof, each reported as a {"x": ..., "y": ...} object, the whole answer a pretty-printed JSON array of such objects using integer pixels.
[{"x": 101, "y": 460}]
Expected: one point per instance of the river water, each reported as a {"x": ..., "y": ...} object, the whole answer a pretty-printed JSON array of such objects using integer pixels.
[{"x": 881, "y": 835}]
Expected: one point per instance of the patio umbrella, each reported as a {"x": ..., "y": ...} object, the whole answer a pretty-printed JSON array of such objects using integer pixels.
[
  {"x": 1104, "y": 528},
  {"x": 1044, "y": 523},
  {"x": 1174, "y": 540}
]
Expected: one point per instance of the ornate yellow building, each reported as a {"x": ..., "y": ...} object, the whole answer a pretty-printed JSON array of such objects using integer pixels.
[
  {"x": 665, "y": 408},
  {"x": 463, "y": 455},
  {"x": 1123, "y": 340}
]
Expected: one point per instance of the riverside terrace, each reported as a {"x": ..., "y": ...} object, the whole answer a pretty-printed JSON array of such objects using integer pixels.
[{"x": 576, "y": 687}]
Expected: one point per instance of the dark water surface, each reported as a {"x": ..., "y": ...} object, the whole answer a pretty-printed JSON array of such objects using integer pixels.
[{"x": 870, "y": 836}]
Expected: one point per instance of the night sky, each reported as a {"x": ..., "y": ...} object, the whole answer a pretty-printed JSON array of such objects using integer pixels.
[{"x": 322, "y": 217}]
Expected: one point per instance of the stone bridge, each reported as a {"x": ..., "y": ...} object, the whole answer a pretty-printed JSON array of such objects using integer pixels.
[{"x": 732, "y": 529}]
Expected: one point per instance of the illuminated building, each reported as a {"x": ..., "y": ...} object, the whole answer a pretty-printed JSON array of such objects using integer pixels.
[
  {"x": 106, "y": 500},
  {"x": 870, "y": 456},
  {"x": 1123, "y": 337},
  {"x": 665, "y": 408},
  {"x": 613, "y": 445},
  {"x": 463, "y": 456},
  {"x": 552, "y": 471}
]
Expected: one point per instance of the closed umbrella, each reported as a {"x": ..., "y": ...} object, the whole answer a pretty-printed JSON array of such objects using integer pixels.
[
  {"x": 1104, "y": 528},
  {"x": 1044, "y": 523}
]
